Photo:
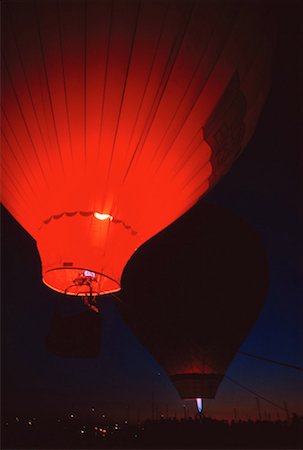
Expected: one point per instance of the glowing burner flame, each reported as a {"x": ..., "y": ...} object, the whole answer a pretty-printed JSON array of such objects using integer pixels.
[
  {"x": 199, "y": 405},
  {"x": 103, "y": 216}
]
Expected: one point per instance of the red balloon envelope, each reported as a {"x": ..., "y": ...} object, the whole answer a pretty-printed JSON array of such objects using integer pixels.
[
  {"x": 118, "y": 116},
  {"x": 192, "y": 294}
]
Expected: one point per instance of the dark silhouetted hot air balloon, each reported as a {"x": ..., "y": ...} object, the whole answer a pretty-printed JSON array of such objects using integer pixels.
[
  {"x": 192, "y": 294},
  {"x": 117, "y": 116}
]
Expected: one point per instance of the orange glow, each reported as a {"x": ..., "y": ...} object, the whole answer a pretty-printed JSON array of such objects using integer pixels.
[
  {"x": 103, "y": 216},
  {"x": 123, "y": 111}
]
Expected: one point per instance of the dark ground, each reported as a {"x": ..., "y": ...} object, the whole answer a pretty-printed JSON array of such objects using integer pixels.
[{"x": 165, "y": 433}]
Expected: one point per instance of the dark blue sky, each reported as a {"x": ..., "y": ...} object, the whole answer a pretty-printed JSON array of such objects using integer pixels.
[{"x": 264, "y": 187}]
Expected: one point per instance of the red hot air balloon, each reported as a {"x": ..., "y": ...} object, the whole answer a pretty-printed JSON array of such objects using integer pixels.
[
  {"x": 117, "y": 116},
  {"x": 200, "y": 287}
]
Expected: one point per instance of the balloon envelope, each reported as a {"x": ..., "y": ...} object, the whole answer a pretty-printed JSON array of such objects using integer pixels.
[
  {"x": 192, "y": 294},
  {"x": 118, "y": 116}
]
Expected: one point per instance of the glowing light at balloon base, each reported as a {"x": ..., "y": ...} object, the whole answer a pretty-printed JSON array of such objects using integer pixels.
[
  {"x": 199, "y": 402},
  {"x": 78, "y": 253}
]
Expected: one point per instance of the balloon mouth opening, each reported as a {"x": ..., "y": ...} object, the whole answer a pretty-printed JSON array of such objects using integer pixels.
[
  {"x": 191, "y": 386},
  {"x": 79, "y": 282}
]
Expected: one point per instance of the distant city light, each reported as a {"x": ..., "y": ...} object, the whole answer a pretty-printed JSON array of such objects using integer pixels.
[
  {"x": 30, "y": 423},
  {"x": 17, "y": 419},
  {"x": 93, "y": 409},
  {"x": 72, "y": 416},
  {"x": 100, "y": 216},
  {"x": 82, "y": 431}
]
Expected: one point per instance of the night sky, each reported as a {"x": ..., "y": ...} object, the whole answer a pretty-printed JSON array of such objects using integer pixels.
[{"x": 264, "y": 187}]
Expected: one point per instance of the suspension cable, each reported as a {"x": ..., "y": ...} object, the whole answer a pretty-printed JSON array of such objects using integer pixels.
[
  {"x": 258, "y": 395},
  {"x": 272, "y": 361}
]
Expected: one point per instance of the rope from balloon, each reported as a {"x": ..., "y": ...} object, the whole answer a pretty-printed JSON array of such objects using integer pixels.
[{"x": 89, "y": 298}]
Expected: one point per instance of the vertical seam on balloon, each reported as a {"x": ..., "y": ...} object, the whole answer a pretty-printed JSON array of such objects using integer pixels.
[
  {"x": 15, "y": 213},
  {"x": 21, "y": 150},
  {"x": 193, "y": 193},
  {"x": 22, "y": 210},
  {"x": 47, "y": 84},
  {"x": 159, "y": 95},
  {"x": 182, "y": 98},
  {"x": 120, "y": 108},
  {"x": 16, "y": 185},
  {"x": 26, "y": 82},
  {"x": 174, "y": 52},
  {"x": 13, "y": 181},
  {"x": 44, "y": 107},
  {"x": 261, "y": 37},
  {"x": 149, "y": 76},
  {"x": 256, "y": 107},
  {"x": 104, "y": 93},
  {"x": 105, "y": 79},
  {"x": 161, "y": 89},
  {"x": 192, "y": 346},
  {"x": 64, "y": 78},
  {"x": 197, "y": 97},
  {"x": 84, "y": 81},
  {"x": 228, "y": 32},
  {"x": 143, "y": 96},
  {"x": 193, "y": 175},
  {"x": 186, "y": 157},
  {"x": 253, "y": 59},
  {"x": 260, "y": 88},
  {"x": 18, "y": 204},
  {"x": 124, "y": 86},
  {"x": 197, "y": 361},
  {"x": 24, "y": 121}
]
